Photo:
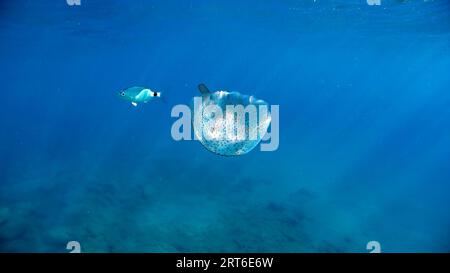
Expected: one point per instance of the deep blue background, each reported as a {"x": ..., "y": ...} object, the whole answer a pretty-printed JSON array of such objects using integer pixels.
[{"x": 364, "y": 94}]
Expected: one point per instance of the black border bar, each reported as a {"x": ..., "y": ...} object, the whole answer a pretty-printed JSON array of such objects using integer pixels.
[{"x": 235, "y": 262}]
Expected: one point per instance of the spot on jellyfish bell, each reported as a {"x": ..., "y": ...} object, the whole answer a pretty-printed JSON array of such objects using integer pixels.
[{"x": 229, "y": 123}]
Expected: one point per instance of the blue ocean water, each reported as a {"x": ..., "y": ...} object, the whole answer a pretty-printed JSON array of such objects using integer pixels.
[{"x": 364, "y": 126}]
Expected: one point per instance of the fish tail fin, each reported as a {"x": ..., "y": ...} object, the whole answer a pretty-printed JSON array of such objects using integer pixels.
[{"x": 155, "y": 94}]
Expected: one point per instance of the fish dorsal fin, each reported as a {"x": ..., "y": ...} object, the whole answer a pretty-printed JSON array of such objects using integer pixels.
[{"x": 203, "y": 89}]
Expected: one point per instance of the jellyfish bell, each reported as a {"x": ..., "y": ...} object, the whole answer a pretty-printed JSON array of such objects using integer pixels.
[{"x": 229, "y": 123}]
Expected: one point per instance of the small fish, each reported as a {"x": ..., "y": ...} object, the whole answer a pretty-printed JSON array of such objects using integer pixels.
[{"x": 137, "y": 94}]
